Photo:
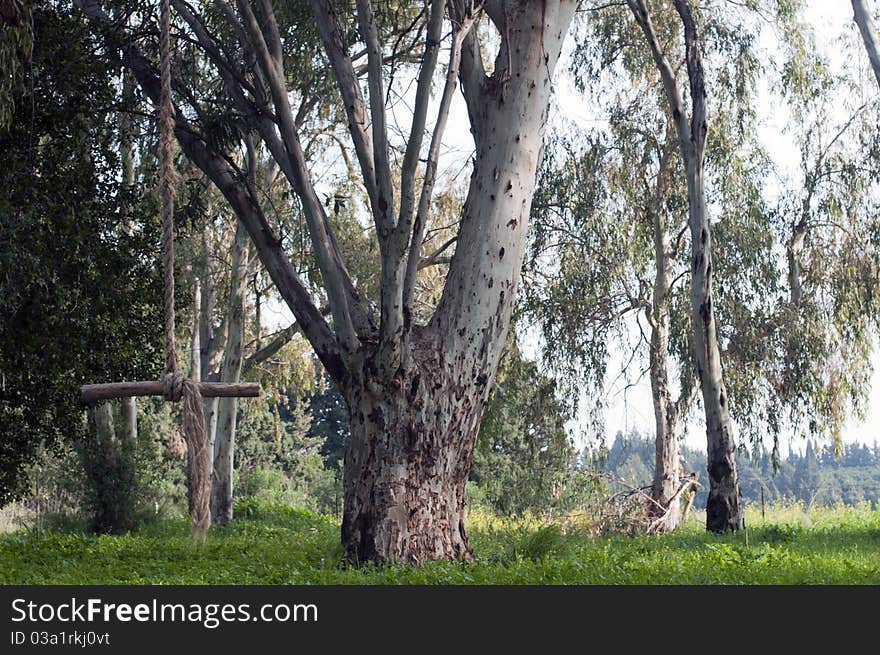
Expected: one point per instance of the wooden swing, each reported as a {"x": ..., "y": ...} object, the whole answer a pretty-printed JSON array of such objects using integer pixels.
[{"x": 174, "y": 386}]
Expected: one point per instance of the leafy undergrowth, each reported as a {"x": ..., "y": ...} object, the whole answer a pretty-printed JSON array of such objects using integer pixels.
[{"x": 280, "y": 545}]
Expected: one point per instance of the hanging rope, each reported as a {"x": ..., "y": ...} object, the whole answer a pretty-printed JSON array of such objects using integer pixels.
[{"x": 175, "y": 386}]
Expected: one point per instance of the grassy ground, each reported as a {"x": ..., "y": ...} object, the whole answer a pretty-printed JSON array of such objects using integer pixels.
[{"x": 287, "y": 546}]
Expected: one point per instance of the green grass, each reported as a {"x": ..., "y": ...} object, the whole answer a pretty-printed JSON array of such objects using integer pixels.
[{"x": 278, "y": 545}]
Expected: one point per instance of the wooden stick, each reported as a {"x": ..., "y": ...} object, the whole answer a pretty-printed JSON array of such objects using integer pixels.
[{"x": 91, "y": 393}]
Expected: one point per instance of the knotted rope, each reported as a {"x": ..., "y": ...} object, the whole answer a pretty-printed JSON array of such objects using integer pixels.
[{"x": 176, "y": 386}]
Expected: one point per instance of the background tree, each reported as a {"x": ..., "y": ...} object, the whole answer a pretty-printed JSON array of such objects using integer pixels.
[
  {"x": 524, "y": 458},
  {"x": 78, "y": 289},
  {"x": 633, "y": 295}
]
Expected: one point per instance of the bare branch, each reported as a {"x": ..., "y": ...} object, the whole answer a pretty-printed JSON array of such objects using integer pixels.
[
  {"x": 460, "y": 33},
  {"x": 349, "y": 89},
  {"x": 330, "y": 264}
]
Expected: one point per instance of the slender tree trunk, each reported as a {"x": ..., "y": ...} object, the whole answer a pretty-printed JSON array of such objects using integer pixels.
[
  {"x": 195, "y": 373},
  {"x": 666, "y": 447},
  {"x": 129, "y": 420},
  {"x": 230, "y": 371},
  {"x": 723, "y": 507},
  {"x": 207, "y": 337},
  {"x": 412, "y": 437},
  {"x": 109, "y": 463},
  {"x": 666, "y": 414}
]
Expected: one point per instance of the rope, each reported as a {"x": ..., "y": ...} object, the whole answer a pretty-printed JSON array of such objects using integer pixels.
[
  {"x": 167, "y": 179},
  {"x": 175, "y": 386}
]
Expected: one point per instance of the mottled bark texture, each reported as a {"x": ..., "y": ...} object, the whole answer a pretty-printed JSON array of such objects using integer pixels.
[
  {"x": 407, "y": 464},
  {"x": 413, "y": 436}
]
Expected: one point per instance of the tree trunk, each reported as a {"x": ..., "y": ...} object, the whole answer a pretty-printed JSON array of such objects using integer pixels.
[
  {"x": 666, "y": 448},
  {"x": 109, "y": 463},
  {"x": 869, "y": 34},
  {"x": 195, "y": 374},
  {"x": 129, "y": 420},
  {"x": 407, "y": 463},
  {"x": 230, "y": 371},
  {"x": 412, "y": 437},
  {"x": 666, "y": 411},
  {"x": 723, "y": 507}
]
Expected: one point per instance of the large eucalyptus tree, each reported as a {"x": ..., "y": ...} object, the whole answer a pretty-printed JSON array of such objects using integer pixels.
[{"x": 415, "y": 392}]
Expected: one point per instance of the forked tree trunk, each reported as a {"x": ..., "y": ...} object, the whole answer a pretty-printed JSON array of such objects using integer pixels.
[
  {"x": 412, "y": 438},
  {"x": 230, "y": 371}
]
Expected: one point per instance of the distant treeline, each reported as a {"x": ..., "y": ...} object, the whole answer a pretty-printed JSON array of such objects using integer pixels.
[{"x": 815, "y": 476}]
